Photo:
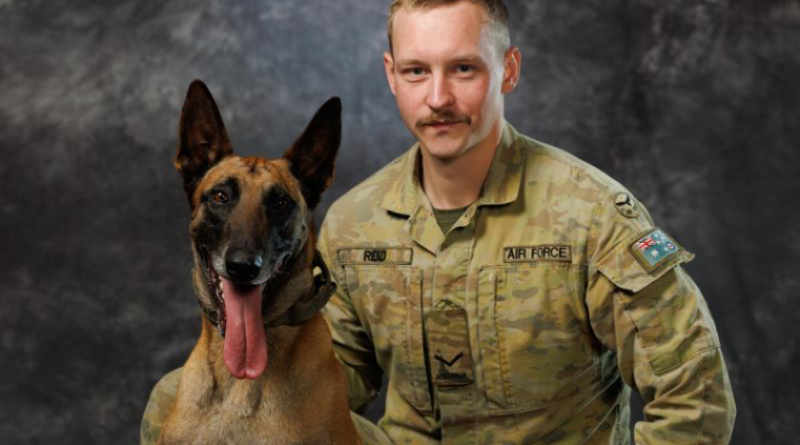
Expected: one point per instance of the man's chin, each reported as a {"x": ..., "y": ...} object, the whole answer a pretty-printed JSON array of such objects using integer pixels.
[{"x": 443, "y": 152}]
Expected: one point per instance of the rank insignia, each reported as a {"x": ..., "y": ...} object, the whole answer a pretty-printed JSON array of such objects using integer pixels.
[
  {"x": 448, "y": 340},
  {"x": 626, "y": 206},
  {"x": 653, "y": 249}
]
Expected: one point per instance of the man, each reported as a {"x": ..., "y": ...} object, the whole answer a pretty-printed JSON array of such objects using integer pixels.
[{"x": 510, "y": 292}]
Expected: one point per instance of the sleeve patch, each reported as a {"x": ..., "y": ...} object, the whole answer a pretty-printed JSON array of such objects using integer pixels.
[
  {"x": 654, "y": 249},
  {"x": 626, "y": 205}
]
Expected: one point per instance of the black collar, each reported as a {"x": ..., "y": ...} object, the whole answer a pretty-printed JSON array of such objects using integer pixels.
[{"x": 303, "y": 309}]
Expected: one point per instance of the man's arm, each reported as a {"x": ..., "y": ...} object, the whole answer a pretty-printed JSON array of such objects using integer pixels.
[
  {"x": 655, "y": 318},
  {"x": 351, "y": 343},
  {"x": 158, "y": 406}
]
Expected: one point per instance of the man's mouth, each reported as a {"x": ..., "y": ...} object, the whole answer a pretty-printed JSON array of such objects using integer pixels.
[{"x": 441, "y": 125}]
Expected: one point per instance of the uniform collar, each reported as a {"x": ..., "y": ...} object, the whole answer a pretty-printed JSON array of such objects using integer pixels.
[{"x": 501, "y": 186}]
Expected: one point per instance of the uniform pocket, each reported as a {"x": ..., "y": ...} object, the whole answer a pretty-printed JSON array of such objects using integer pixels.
[
  {"x": 672, "y": 320},
  {"x": 389, "y": 298},
  {"x": 533, "y": 333}
]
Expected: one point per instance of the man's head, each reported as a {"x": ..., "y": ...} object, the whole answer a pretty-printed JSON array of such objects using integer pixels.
[
  {"x": 496, "y": 13},
  {"x": 449, "y": 65}
]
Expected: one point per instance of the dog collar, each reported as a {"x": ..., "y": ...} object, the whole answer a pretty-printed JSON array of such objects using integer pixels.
[{"x": 303, "y": 309}]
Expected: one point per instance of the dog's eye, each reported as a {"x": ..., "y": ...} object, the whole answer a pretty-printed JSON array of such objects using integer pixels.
[
  {"x": 219, "y": 197},
  {"x": 280, "y": 205}
]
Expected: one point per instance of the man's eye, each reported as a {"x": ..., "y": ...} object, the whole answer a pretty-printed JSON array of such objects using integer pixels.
[
  {"x": 415, "y": 71},
  {"x": 219, "y": 197},
  {"x": 463, "y": 69}
]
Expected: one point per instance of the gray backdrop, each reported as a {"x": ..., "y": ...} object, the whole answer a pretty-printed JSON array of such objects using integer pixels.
[{"x": 692, "y": 104}]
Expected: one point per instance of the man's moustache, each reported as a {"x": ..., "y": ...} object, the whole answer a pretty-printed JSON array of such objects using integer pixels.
[{"x": 444, "y": 118}]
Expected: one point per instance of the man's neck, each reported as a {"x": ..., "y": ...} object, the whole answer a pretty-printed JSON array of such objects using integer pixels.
[{"x": 456, "y": 183}]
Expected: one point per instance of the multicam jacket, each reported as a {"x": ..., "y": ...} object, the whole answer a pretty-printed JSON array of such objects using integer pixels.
[{"x": 531, "y": 319}]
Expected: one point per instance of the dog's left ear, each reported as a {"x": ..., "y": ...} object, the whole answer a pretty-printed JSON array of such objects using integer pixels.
[{"x": 312, "y": 154}]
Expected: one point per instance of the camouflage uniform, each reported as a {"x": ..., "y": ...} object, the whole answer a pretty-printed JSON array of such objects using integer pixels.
[{"x": 531, "y": 319}]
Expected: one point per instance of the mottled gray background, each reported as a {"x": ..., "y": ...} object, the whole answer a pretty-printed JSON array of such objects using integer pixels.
[{"x": 692, "y": 104}]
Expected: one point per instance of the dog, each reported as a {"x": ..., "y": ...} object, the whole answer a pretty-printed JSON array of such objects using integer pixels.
[{"x": 263, "y": 370}]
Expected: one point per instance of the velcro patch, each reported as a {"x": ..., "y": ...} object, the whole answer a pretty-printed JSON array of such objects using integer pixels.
[
  {"x": 448, "y": 340},
  {"x": 654, "y": 249},
  {"x": 521, "y": 254},
  {"x": 626, "y": 206},
  {"x": 376, "y": 255}
]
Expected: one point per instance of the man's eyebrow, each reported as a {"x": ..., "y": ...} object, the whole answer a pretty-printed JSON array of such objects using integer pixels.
[
  {"x": 470, "y": 59},
  {"x": 407, "y": 62},
  {"x": 467, "y": 59}
]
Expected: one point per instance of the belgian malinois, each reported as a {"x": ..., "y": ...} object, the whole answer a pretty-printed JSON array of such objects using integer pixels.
[{"x": 263, "y": 370}]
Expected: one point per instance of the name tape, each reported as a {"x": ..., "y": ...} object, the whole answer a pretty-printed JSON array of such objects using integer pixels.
[{"x": 377, "y": 255}]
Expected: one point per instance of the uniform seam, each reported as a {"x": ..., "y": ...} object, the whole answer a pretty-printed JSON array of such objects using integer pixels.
[{"x": 591, "y": 243}]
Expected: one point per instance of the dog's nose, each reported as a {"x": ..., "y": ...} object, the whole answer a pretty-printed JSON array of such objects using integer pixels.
[{"x": 243, "y": 266}]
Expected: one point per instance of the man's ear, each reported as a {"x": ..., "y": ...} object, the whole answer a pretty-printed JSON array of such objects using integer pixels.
[
  {"x": 203, "y": 139},
  {"x": 388, "y": 65},
  {"x": 512, "y": 64},
  {"x": 312, "y": 155}
]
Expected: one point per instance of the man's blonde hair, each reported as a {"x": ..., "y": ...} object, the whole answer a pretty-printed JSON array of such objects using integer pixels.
[{"x": 495, "y": 10}]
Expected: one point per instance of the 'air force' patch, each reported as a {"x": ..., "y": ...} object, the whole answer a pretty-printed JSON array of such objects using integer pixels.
[{"x": 654, "y": 249}]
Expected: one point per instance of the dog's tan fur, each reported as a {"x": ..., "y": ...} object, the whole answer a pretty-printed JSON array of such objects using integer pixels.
[{"x": 301, "y": 398}]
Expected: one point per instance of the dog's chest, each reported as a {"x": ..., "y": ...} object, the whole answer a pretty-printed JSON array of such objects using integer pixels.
[
  {"x": 247, "y": 414},
  {"x": 261, "y": 428}
]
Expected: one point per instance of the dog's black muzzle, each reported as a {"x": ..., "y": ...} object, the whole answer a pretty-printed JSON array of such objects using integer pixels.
[{"x": 243, "y": 266}]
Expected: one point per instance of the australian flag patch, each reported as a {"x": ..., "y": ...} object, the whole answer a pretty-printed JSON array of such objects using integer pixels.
[{"x": 653, "y": 249}]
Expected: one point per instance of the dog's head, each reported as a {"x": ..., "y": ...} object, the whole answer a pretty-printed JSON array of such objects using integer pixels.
[{"x": 252, "y": 223}]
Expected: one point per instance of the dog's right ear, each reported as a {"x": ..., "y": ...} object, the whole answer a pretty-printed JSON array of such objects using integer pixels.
[{"x": 203, "y": 139}]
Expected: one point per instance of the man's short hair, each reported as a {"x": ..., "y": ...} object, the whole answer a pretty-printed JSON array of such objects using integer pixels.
[{"x": 495, "y": 9}]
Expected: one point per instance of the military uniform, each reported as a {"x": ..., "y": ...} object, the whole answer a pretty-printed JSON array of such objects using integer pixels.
[{"x": 531, "y": 319}]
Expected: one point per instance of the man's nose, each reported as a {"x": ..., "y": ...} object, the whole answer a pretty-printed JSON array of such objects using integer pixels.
[{"x": 440, "y": 95}]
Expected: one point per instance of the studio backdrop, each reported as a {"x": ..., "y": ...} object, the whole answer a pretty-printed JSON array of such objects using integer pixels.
[{"x": 693, "y": 105}]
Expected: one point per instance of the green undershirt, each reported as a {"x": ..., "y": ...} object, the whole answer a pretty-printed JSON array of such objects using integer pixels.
[{"x": 446, "y": 218}]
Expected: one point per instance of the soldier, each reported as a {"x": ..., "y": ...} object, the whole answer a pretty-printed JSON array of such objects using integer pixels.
[{"x": 510, "y": 292}]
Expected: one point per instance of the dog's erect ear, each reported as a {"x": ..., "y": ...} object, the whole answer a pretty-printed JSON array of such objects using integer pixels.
[
  {"x": 204, "y": 141},
  {"x": 312, "y": 154}
]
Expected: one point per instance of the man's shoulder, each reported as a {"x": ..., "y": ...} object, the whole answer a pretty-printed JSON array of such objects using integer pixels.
[
  {"x": 557, "y": 165},
  {"x": 578, "y": 190},
  {"x": 369, "y": 193},
  {"x": 360, "y": 215}
]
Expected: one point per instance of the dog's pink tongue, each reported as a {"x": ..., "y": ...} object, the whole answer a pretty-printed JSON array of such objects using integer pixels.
[{"x": 245, "y": 348}]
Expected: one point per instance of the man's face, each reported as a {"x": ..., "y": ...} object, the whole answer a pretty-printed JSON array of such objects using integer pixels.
[{"x": 447, "y": 76}]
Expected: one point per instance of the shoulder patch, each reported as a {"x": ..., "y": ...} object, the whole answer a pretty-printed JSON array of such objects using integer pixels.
[
  {"x": 376, "y": 255},
  {"x": 626, "y": 205},
  {"x": 654, "y": 249}
]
